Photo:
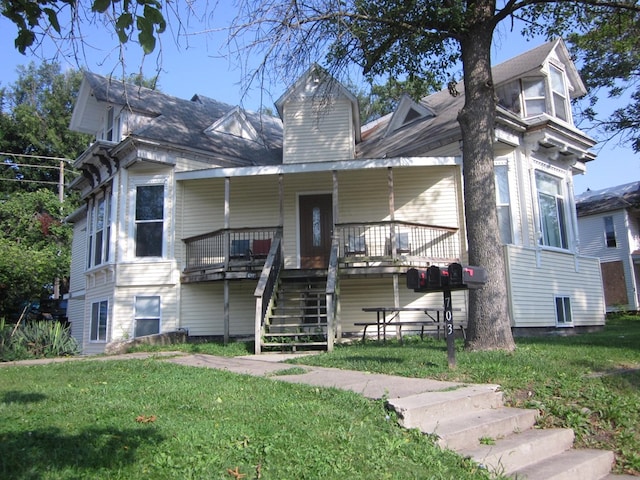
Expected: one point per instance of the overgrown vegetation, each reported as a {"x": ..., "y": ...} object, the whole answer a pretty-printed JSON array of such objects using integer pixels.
[
  {"x": 148, "y": 419},
  {"x": 35, "y": 340}
]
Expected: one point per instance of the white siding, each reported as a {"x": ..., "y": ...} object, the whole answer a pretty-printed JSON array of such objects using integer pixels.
[
  {"x": 534, "y": 283},
  {"x": 77, "y": 280},
  {"x": 202, "y": 308},
  {"x": 316, "y": 135},
  {"x": 147, "y": 273},
  {"x": 124, "y": 310},
  {"x": 592, "y": 236},
  {"x": 593, "y": 243}
]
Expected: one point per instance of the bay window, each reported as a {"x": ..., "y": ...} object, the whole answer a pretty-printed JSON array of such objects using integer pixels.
[
  {"x": 503, "y": 203},
  {"x": 551, "y": 211},
  {"x": 99, "y": 231}
]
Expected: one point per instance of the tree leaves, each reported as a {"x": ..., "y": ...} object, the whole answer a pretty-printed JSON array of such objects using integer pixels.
[{"x": 33, "y": 18}]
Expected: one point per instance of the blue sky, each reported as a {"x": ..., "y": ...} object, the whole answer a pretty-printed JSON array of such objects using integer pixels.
[{"x": 202, "y": 64}]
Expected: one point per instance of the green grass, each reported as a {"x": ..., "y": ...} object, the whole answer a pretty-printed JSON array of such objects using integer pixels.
[
  {"x": 78, "y": 419},
  {"x": 149, "y": 419},
  {"x": 589, "y": 382}
]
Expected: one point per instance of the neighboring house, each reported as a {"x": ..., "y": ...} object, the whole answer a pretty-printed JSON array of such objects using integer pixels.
[
  {"x": 204, "y": 217},
  {"x": 609, "y": 223}
]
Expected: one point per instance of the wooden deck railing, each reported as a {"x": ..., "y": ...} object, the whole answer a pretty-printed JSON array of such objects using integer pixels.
[
  {"x": 384, "y": 240},
  {"x": 219, "y": 248}
]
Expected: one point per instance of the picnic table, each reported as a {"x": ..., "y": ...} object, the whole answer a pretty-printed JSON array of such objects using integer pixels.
[{"x": 385, "y": 317}]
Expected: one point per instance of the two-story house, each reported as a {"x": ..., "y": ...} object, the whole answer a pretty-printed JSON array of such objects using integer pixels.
[
  {"x": 609, "y": 225},
  {"x": 205, "y": 217}
]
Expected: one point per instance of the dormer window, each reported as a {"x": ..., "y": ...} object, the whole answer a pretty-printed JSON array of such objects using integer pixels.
[
  {"x": 112, "y": 130},
  {"x": 533, "y": 96}
]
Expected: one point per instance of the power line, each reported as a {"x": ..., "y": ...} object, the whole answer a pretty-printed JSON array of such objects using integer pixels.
[
  {"x": 27, "y": 181},
  {"x": 24, "y": 155}
]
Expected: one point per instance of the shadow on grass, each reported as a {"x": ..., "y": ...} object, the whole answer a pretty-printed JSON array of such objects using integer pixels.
[
  {"x": 15, "y": 396},
  {"x": 26, "y": 454}
]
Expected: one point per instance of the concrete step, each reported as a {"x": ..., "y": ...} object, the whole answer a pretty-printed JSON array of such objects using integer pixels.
[
  {"x": 614, "y": 476},
  {"x": 521, "y": 450},
  {"x": 585, "y": 464},
  {"x": 438, "y": 407},
  {"x": 467, "y": 429}
]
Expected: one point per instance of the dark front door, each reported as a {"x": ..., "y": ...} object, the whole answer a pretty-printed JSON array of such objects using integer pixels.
[{"x": 316, "y": 225}]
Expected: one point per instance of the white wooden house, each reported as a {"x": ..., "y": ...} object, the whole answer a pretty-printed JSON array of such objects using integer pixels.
[
  {"x": 609, "y": 224},
  {"x": 204, "y": 217}
]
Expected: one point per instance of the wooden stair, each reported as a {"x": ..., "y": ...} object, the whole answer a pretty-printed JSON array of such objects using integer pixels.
[{"x": 298, "y": 318}]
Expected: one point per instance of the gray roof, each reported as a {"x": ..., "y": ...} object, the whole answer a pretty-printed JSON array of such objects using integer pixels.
[
  {"x": 183, "y": 123},
  {"x": 608, "y": 199},
  {"x": 429, "y": 133}
]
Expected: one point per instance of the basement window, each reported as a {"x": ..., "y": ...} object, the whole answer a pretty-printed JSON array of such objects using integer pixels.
[{"x": 563, "y": 311}]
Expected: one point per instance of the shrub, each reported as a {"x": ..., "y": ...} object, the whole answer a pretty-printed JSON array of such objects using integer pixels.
[{"x": 36, "y": 340}]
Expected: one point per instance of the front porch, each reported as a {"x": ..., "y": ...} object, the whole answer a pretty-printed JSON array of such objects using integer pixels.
[
  {"x": 386, "y": 247},
  {"x": 298, "y": 308}
]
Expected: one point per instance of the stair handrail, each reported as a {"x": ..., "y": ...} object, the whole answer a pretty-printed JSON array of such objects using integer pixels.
[{"x": 266, "y": 286}]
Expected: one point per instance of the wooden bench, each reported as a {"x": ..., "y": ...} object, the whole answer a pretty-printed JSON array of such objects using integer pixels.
[{"x": 382, "y": 322}]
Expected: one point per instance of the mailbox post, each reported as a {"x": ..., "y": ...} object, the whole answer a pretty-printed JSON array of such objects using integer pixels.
[{"x": 454, "y": 277}]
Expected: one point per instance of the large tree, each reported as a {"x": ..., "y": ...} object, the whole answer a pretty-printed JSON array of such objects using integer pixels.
[{"x": 34, "y": 141}]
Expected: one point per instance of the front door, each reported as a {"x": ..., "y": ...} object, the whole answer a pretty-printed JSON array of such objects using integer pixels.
[{"x": 316, "y": 226}]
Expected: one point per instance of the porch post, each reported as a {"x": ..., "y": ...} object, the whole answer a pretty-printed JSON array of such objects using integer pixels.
[
  {"x": 281, "y": 199},
  {"x": 226, "y": 311},
  {"x": 392, "y": 240},
  {"x": 227, "y": 224}
]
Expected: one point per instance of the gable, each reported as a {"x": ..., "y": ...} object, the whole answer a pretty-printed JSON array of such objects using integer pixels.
[
  {"x": 234, "y": 123},
  {"x": 407, "y": 112}
]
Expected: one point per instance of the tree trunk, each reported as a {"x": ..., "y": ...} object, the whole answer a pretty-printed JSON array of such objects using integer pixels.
[{"x": 489, "y": 323}]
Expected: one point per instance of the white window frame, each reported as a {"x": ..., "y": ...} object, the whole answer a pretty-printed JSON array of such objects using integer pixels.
[
  {"x": 566, "y": 309},
  {"x": 138, "y": 316},
  {"x": 94, "y": 336},
  {"x": 502, "y": 203},
  {"x": 562, "y": 93},
  {"x": 148, "y": 182},
  {"x": 535, "y": 80},
  {"x": 99, "y": 223},
  {"x": 564, "y": 226}
]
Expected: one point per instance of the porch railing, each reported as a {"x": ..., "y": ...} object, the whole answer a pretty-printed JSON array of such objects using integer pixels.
[
  {"x": 396, "y": 239},
  {"x": 267, "y": 284},
  {"x": 219, "y": 248}
]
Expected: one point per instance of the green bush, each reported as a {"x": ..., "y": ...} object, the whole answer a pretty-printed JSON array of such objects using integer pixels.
[{"x": 35, "y": 340}]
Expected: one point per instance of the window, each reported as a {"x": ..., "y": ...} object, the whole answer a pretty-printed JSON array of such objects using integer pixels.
[
  {"x": 149, "y": 220},
  {"x": 503, "y": 203},
  {"x": 99, "y": 231},
  {"x": 563, "y": 311},
  {"x": 542, "y": 94},
  {"x": 610, "y": 233},
  {"x": 109, "y": 125},
  {"x": 553, "y": 223},
  {"x": 534, "y": 96},
  {"x": 147, "y": 316},
  {"x": 559, "y": 93},
  {"x": 99, "y": 321}
]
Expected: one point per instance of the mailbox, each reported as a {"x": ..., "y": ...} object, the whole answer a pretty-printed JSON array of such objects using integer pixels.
[{"x": 455, "y": 276}]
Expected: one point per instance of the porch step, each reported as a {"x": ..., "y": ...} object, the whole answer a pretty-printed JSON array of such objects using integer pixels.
[
  {"x": 473, "y": 421},
  {"x": 299, "y": 310}
]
